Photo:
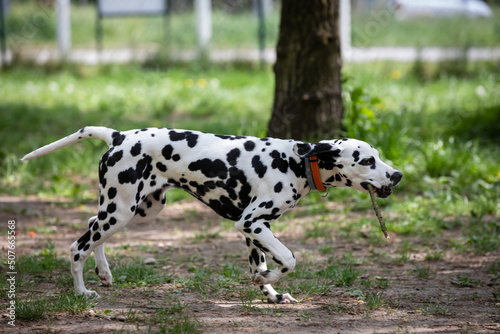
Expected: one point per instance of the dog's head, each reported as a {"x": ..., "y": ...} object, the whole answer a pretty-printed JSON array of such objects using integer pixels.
[{"x": 351, "y": 163}]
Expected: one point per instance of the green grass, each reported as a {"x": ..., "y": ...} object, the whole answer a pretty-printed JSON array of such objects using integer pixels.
[
  {"x": 41, "y": 307},
  {"x": 45, "y": 260},
  {"x": 434, "y": 308},
  {"x": 136, "y": 273}
]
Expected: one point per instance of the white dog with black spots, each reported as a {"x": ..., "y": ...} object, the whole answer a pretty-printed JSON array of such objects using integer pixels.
[{"x": 249, "y": 180}]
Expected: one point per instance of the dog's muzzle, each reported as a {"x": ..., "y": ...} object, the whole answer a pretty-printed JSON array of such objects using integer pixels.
[{"x": 385, "y": 190}]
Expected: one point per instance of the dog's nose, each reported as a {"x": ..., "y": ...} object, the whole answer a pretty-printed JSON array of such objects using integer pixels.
[{"x": 396, "y": 177}]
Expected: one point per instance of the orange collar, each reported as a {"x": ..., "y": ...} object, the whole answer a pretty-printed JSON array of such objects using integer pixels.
[{"x": 312, "y": 173}]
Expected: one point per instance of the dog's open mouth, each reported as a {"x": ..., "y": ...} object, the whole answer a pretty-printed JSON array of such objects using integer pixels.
[{"x": 382, "y": 192}]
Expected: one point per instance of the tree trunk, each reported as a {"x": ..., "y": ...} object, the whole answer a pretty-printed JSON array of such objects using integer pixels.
[{"x": 308, "y": 91}]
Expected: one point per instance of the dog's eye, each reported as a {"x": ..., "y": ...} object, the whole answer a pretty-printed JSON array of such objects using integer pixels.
[{"x": 368, "y": 162}]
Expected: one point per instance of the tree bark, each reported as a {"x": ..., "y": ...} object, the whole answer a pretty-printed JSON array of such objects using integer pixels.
[{"x": 308, "y": 89}]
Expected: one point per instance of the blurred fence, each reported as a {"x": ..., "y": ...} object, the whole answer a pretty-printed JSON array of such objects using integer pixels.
[{"x": 376, "y": 32}]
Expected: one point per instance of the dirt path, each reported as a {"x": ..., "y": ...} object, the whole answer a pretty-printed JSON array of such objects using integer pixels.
[{"x": 454, "y": 293}]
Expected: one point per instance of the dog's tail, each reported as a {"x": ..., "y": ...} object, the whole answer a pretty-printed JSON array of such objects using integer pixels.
[{"x": 106, "y": 134}]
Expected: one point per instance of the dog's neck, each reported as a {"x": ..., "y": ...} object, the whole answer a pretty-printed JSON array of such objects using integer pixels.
[
  {"x": 313, "y": 174},
  {"x": 323, "y": 174}
]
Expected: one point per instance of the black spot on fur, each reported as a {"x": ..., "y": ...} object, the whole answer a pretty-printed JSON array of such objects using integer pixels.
[
  {"x": 232, "y": 156},
  {"x": 278, "y": 187},
  {"x": 96, "y": 236},
  {"x": 225, "y": 208},
  {"x": 142, "y": 169},
  {"x": 113, "y": 159},
  {"x": 84, "y": 239},
  {"x": 355, "y": 155},
  {"x": 118, "y": 138},
  {"x": 102, "y": 215},
  {"x": 249, "y": 145},
  {"x": 127, "y": 176},
  {"x": 190, "y": 137},
  {"x": 167, "y": 151},
  {"x": 103, "y": 169},
  {"x": 111, "y": 208},
  {"x": 255, "y": 256},
  {"x": 210, "y": 168},
  {"x": 258, "y": 166},
  {"x": 161, "y": 167},
  {"x": 136, "y": 149},
  {"x": 112, "y": 192},
  {"x": 278, "y": 162},
  {"x": 262, "y": 248},
  {"x": 76, "y": 258}
]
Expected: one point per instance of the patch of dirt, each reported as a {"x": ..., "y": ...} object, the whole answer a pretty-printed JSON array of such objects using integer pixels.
[{"x": 190, "y": 234}]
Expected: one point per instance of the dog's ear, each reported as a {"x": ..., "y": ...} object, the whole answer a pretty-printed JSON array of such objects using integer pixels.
[{"x": 305, "y": 150}]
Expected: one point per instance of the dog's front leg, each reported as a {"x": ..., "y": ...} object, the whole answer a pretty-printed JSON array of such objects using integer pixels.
[
  {"x": 257, "y": 261},
  {"x": 262, "y": 243}
]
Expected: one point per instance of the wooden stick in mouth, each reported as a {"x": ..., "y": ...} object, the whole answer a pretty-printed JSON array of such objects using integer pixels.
[{"x": 377, "y": 211}]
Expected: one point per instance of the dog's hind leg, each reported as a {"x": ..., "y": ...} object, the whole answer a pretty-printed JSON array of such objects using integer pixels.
[
  {"x": 148, "y": 210},
  {"x": 101, "y": 264}
]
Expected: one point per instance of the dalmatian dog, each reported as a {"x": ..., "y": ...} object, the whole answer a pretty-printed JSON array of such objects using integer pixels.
[{"x": 249, "y": 180}]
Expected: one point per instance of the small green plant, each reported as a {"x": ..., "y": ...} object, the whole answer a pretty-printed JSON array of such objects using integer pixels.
[
  {"x": 465, "y": 281},
  {"x": 319, "y": 229},
  {"x": 382, "y": 283},
  {"x": 173, "y": 318},
  {"x": 206, "y": 282},
  {"x": 434, "y": 255},
  {"x": 434, "y": 308},
  {"x": 341, "y": 276},
  {"x": 309, "y": 287},
  {"x": 422, "y": 271},
  {"x": 247, "y": 296},
  {"x": 203, "y": 236},
  {"x": 374, "y": 300},
  {"x": 495, "y": 270},
  {"x": 483, "y": 234},
  {"x": 338, "y": 308},
  {"x": 45, "y": 260},
  {"x": 496, "y": 295},
  {"x": 325, "y": 249},
  {"x": 32, "y": 309},
  {"x": 137, "y": 273}
]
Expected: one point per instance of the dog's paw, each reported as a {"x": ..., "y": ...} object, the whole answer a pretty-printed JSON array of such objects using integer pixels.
[
  {"x": 281, "y": 299},
  {"x": 105, "y": 276},
  {"x": 106, "y": 279},
  {"x": 88, "y": 293}
]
